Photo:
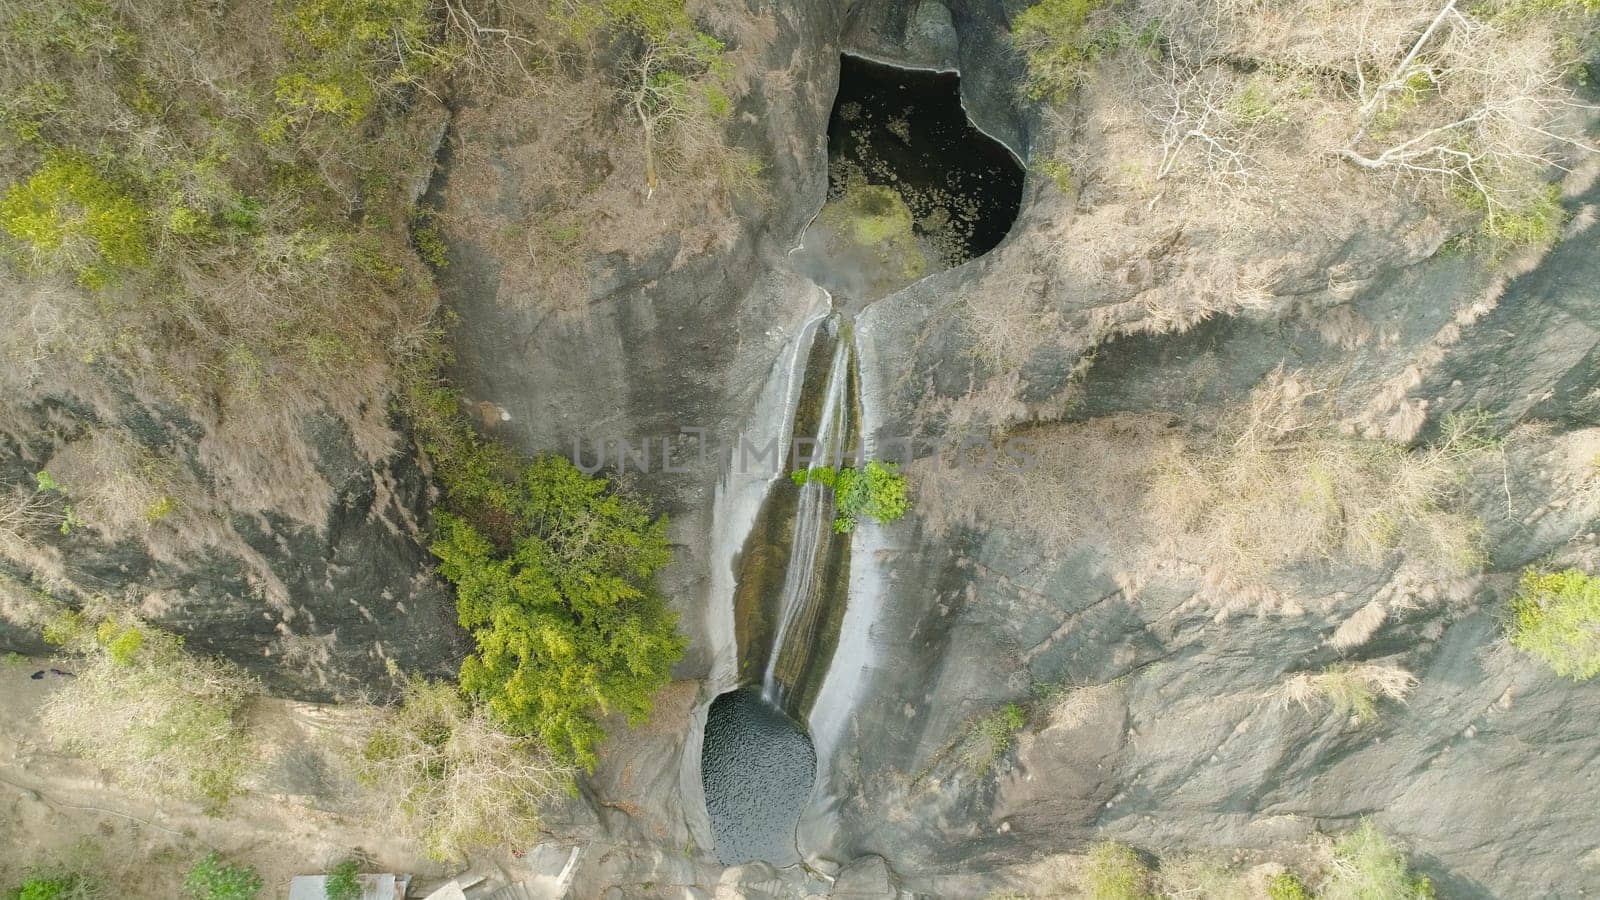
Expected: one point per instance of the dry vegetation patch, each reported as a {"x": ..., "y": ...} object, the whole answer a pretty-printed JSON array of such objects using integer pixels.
[{"x": 1273, "y": 487}]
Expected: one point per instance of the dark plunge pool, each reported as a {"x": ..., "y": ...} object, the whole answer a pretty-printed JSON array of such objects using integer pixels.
[
  {"x": 913, "y": 185},
  {"x": 756, "y": 766},
  {"x": 906, "y": 129}
]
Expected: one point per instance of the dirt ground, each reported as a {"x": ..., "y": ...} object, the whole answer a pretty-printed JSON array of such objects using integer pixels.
[{"x": 294, "y": 820}]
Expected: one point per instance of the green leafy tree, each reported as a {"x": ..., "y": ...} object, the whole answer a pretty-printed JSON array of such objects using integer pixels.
[
  {"x": 214, "y": 878},
  {"x": 1556, "y": 617},
  {"x": 567, "y": 619}
]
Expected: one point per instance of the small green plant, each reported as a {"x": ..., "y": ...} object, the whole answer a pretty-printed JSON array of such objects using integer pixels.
[
  {"x": 70, "y": 217},
  {"x": 1556, "y": 617},
  {"x": 1114, "y": 871},
  {"x": 122, "y": 642},
  {"x": 46, "y": 481},
  {"x": 990, "y": 737},
  {"x": 1058, "y": 171},
  {"x": 877, "y": 491},
  {"x": 427, "y": 238},
  {"x": 70, "y": 519},
  {"x": 65, "y": 627},
  {"x": 1253, "y": 105},
  {"x": 1287, "y": 886},
  {"x": 1368, "y": 866},
  {"x": 214, "y": 878},
  {"x": 162, "y": 507},
  {"x": 344, "y": 881},
  {"x": 57, "y": 887}
]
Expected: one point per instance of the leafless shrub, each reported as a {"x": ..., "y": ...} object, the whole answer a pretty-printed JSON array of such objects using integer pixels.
[
  {"x": 116, "y": 484},
  {"x": 1359, "y": 628},
  {"x": 1009, "y": 321},
  {"x": 1277, "y": 485},
  {"x": 443, "y": 774}
]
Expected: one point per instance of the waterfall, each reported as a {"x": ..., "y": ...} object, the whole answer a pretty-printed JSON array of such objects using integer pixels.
[
  {"x": 813, "y": 526},
  {"x": 740, "y": 493}
]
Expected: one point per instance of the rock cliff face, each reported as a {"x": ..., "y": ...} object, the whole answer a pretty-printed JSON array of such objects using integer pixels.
[{"x": 1180, "y": 739}]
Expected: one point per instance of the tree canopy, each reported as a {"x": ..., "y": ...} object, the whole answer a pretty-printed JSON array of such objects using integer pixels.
[{"x": 565, "y": 613}]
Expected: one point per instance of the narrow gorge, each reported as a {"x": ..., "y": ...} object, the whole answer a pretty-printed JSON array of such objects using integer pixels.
[{"x": 753, "y": 449}]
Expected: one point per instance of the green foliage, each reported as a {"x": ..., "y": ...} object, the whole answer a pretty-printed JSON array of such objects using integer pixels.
[
  {"x": 562, "y": 604},
  {"x": 46, "y": 481},
  {"x": 69, "y": 217},
  {"x": 428, "y": 240},
  {"x": 1287, "y": 886},
  {"x": 1368, "y": 866},
  {"x": 990, "y": 737},
  {"x": 214, "y": 878},
  {"x": 1114, "y": 871},
  {"x": 1056, "y": 38},
  {"x": 1556, "y": 617},
  {"x": 344, "y": 882},
  {"x": 350, "y": 52},
  {"x": 1536, "y": 219},
  {"x": 57, "y": 887},
  {"x": 878, "y": 492},
  {"x": 1058, "y": 171}
]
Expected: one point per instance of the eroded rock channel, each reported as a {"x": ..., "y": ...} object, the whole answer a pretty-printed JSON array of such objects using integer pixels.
[{"x": 914, "y": 188}]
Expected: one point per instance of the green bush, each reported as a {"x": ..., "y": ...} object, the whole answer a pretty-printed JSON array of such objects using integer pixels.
[
  {"x": 1114, "y": 871},
  {"x": 69, "y": 217},
  {"x": 214, "y": 878},
  {"x": 1368, "y": 866},
  {"x": 344, "y": 882},
  {"x": 877, "y": 491},
  {"x": 562, "y": 604},
  {"x": 1055, "y": 37},
  {"x": 1287, "y": 886},
  {"x": 58, "y": 886},
  {"x": 1556, "y": 617}
]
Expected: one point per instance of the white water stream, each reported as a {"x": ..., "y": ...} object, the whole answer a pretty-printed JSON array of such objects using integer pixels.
[{"x": 813, "y": 524}]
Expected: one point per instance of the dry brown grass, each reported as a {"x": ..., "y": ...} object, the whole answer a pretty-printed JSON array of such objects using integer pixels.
[
  {"x": 156, "y": 718},
  {"x": 1274, "y": 487},
  {"x": 1350, "y": 690}
]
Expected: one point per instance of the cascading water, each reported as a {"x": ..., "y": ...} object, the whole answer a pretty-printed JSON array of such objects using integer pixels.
[
  {"x": 798, "y": 605},
  {"x": 914, "y": 187}
]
